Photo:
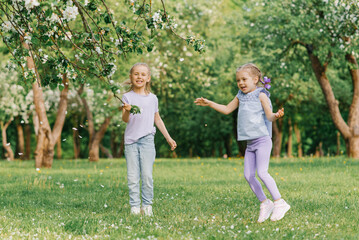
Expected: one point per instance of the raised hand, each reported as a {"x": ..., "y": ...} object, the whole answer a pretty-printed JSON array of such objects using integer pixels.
[
  {"x": 280, "y": 113},
  {"x": 202, "y": 101}
]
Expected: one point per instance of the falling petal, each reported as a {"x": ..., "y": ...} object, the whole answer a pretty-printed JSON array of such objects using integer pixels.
[
  {"x": 80, "y": 136},
  {"x": 74, "y": 128}
]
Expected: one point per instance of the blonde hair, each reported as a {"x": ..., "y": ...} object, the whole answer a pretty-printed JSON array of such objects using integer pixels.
[
  {"x": 148, "y": 84},
  {"x": 253, "y": 69}
]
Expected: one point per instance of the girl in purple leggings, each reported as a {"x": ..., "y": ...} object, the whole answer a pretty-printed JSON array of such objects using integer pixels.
[{"x": 254, "y": 125}]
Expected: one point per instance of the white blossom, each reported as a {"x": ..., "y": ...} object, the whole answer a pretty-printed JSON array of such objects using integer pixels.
[
  {"x": 6, "y": 26},
  {"x": 98, "y": 50},
  {"x": 54, "y": 18},
  {"x": 30, "y": 4},
  {"x": 70, "y": 13}
]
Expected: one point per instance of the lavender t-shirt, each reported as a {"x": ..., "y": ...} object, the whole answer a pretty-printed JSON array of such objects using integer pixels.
[{"x": 140, "y": 124}]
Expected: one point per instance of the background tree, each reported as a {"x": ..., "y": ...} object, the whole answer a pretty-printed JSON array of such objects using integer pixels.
[
  {"x": 325, "y": 36},
  {"x": 13, "y": 104},
  {"x": 42, "y": 32}
]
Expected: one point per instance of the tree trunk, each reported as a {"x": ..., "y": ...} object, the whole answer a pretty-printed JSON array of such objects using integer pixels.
[
  {"x": 94, "y": 148},
  {"x": 228, "y": 145},
  {"x": 46, "y": 140},
  {"x": 277, "y": 137},
  {"x": 350, "y": 131},
  {"x": 94, "y": 137},
  {"x": 75, "y": 139},
  {"x": 354, "y": 146},
  {"x": 290, "y": 139},
  {"x": 122, "y": 146},
  {"x": 9, "y": 153},
  {"x": 299, "y": 140},
  {"x": 319, "y": 150},
  {"x": 213, "y": 151},
  {"x": 27, "y": 142},
  {"x": 190, "y": 152},
  {"x": 58, "y": 148},
  {"x": 106, "y": 151},
  {"x": 353, "y": 118},
  {"x": 20, "y": 140},
  {"x": 44, "y": 153},
  {"x": 114, "y": 144},
  {"x": 338, "y": 143}
]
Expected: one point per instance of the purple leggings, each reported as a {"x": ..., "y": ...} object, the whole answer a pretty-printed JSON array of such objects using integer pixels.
[{"x": 256, "y": 158}]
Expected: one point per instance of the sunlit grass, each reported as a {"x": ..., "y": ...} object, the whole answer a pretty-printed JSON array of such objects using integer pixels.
[{"x": 194, "y": 199}]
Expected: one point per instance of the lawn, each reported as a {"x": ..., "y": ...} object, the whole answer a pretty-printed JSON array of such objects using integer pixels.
[{"x": 194, "y": 199}]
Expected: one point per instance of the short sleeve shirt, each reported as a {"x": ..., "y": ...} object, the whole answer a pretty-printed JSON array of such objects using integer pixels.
[{"x": 140, "y": 124}]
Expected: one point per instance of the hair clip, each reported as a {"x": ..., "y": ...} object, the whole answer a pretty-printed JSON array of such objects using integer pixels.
[{"x": 266, "y": 82}]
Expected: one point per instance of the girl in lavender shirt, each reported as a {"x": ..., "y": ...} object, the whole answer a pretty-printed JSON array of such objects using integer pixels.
[{"x": 140, "y": 150}]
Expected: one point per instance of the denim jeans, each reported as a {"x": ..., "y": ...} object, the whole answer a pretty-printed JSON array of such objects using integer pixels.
[{"x": 140, "y": 157}]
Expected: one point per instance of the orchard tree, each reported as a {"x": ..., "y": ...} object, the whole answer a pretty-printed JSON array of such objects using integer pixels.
[
  {"x": 179, "y": 77},
  {"x": 55, "y": 41},
  {"x": 325, "y": 35},
  {"x": 13, "y": 103},
  {"x": 100, "y": 106}
]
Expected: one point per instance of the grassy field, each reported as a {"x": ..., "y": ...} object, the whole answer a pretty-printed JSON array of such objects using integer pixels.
[{"x": 194, "y": 199}]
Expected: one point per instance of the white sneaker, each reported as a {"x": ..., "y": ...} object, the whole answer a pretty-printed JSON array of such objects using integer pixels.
[
  {"x": 147, "y": 210},
  {"x": 135, "y": 211},
  {"x": 265, "y": 210},
  {"x": 280, "y": 208}
]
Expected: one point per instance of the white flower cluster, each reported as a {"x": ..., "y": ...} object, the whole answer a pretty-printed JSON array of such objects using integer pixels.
[
  {"x": 102, "y": 103},
  {"x": 157, "y": 17},
  {"x": 13, "y": 99},
  {"x": 6, "y": 26},
  {"x": 54, "y": 18},
  {"x": 70, "y": 13},
  {"x": 160, "y": 24},
  {"x": 30, "y": 4},
  {"x": 113, "y": 69}
]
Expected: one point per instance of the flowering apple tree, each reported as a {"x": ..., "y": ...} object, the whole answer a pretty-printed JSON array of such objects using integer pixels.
[
  {"x": 13, "y": 103},
  {"x": 55, "y": 41}
]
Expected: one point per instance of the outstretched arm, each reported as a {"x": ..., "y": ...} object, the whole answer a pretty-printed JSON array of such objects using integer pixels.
[
  {"x": 225, "y": 109},
  {"x": 161, "y": 126},
  {"x": 268, "y": 111}
]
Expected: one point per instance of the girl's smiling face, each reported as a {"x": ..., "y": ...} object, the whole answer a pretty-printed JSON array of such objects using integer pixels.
[
  {"x": 246, "y": 81},
  {"x": 140, "y": 76}
]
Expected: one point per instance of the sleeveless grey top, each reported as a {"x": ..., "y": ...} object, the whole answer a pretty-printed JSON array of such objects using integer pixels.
[{"x": 252, "y": 121}]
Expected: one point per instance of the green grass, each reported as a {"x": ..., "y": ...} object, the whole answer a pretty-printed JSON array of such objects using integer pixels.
[{"x": 194, "y": 199}]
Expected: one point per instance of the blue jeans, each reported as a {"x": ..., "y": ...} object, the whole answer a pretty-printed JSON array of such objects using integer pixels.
[{"x": 140, "y": 157}]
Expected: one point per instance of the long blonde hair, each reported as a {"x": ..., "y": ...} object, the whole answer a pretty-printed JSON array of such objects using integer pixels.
[{"x": 148, "y": 84}]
